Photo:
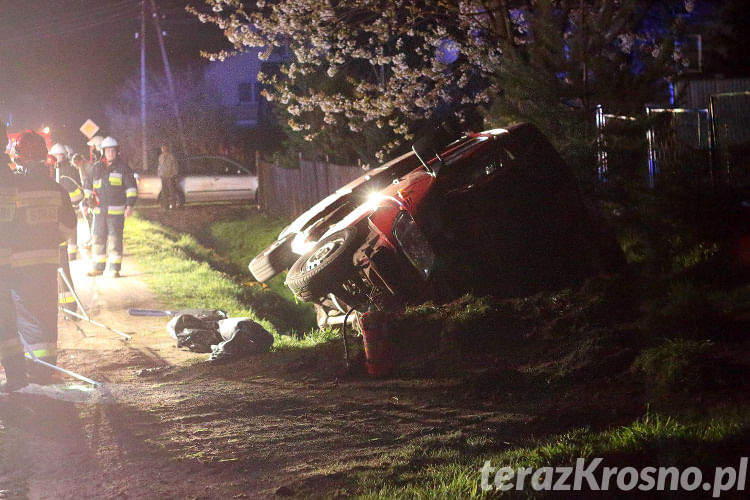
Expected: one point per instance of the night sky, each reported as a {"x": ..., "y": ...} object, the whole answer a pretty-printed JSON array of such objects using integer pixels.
[{"x": 61, "y": 61}]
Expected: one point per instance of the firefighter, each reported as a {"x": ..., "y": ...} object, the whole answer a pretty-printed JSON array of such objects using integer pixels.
[
  {"x": 111, "y": 193},
  {"x": 67, "y": 175},
  {"x": 11, "y": 349},
  {"x": 84, "y": 171},
  {"x": 43, "y": 219},
  {"x": 95, "y": 148}
]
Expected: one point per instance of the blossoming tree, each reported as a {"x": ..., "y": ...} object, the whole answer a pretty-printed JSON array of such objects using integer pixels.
[{"x": 357, "y": 65}]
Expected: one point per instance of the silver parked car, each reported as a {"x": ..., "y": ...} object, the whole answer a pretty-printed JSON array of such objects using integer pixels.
[{"x": 205, "y": 178}]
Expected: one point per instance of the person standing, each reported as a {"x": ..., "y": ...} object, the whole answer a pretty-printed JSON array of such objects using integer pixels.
[
  {"x": 11, "y": 348},
  {"x": 67, "y": 176},
  {"x": 111, "y": 193},
  {"x": 84, "y": 171},
  {"x": 95, "y": 149},
  {"x": 168, "y": 172},
  {"x": 43, "y": 218}
]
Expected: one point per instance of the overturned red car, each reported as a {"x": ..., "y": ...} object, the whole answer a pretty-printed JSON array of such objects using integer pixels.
[{"x": 493, "y": 212}]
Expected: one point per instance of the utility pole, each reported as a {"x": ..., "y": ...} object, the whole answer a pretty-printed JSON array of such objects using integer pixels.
[
  {"x": 144, "y": 144},
  {"x": 170, "y": 82}
]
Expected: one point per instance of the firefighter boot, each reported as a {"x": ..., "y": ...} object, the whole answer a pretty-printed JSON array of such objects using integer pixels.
[
  {"x": 15, "y": 374},
  {"x": 40, "y": 374}
]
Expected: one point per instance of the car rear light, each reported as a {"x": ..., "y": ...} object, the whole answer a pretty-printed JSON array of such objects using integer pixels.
[{"x": 414, "y": 244}]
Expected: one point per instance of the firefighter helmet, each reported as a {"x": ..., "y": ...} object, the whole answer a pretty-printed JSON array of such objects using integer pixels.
[
  {"x": 96, "y": 141},
  {"x": 31, "y": 147},
  {"x": 57, "y": 149},
  {"x": 109, "y": 142}
]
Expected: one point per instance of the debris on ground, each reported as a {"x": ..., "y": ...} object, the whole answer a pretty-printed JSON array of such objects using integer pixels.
[
  {"x": 196, "y": 329},
  {"x": 241, "y": 336},
  {"x": 210, "y": 331}
]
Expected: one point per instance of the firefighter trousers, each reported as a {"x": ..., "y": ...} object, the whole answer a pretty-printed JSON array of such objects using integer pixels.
[
  {"x": 65, "y": 295},
  {"x": 107, "y": 250},
  {"x": 34, "y": 292},
  {"x": 11, "y": 349}
]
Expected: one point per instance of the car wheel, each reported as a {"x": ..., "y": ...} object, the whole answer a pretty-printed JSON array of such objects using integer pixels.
[
  {"x": 321, "y": 270},
  {"x": 277, "y": 257}
]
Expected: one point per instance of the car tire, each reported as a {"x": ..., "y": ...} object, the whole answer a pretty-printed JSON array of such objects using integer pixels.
[
  {"x": 322, "y": 269},
  {"x": 277, "y": 257}
]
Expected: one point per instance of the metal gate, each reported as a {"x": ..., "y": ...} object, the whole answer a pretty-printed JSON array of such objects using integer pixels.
[{"x": 679, "y": 143}]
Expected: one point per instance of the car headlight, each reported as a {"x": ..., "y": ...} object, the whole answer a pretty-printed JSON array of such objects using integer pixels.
[
  {"x": 413, "y": 243},
  {"x": 301, "y": 245}
]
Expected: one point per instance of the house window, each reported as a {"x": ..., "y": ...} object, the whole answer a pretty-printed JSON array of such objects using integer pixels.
[{"x": 247, "y": 93}]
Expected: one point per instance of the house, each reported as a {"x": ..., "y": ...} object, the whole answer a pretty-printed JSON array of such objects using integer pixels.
[{"x": 236, "y": 79}]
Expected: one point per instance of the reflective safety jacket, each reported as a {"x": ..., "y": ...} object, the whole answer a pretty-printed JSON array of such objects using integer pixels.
[
  {"x": 74, "y": 190},
  {"x": 43, "y": 219},
  {"x": 109, "y": 189}
]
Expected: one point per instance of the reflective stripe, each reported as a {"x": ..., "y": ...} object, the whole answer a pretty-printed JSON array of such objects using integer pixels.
[
  {"x": 131, "y": 192},
  {"x": 75, "y": 196},
  {"x": 66, "y": 298},
  {"x": 35, "y": 254},
  {"x": 64, "y": 244},
  {"x": 97, "y": 184},
  {"x": 100, "y": 258},
  {"x": 118, "y": 210},
  {"x": 115, "y": 260},
  {"x": 115, "y": 179},
  {"x": 4, "y": 256},
  {"x": 38, "y": 199},
  {"x": 87, "y": 193},
  {"x": 97, "y": 210},
  {"x": 44, "y": 350}
]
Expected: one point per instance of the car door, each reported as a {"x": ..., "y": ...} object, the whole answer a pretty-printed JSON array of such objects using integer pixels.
[
  {"x": 231, "y": 181},
  {"x": 196, "y": 183}
]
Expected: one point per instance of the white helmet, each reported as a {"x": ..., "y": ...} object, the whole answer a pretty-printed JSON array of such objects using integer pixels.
[
  {"x": 96, "y": 141},
  {"x": 109, "y": 142},
  {"x": 57, "y": 149}
]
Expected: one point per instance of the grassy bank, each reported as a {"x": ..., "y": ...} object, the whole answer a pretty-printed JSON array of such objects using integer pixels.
[
  {"x": 184, "y": 274},
  {"x": 450, "y": 466}
]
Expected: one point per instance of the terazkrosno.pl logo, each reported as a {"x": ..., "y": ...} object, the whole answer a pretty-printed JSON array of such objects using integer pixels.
[{"x": 590, "y": 477}]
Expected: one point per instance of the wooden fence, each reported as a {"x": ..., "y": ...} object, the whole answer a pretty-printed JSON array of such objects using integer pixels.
[{"x": 287, "y": 192}]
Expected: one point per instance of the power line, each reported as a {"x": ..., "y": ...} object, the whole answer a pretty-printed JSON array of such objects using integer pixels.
[
  {"x": 68, "y": 26},
  {"x": 60, "y": 17}
]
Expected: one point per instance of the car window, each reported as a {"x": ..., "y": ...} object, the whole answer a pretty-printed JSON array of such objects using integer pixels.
[
  {"x": 220, "y": 166},
  {"x": 193, "y": 166},
  {"x": 474, "y": 162}
]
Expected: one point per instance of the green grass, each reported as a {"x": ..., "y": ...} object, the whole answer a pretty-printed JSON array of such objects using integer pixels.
[
  {"x": 448, "y": 466},
  {"x": 178, "y": 269},
  {"x": 240, "y": 240}
]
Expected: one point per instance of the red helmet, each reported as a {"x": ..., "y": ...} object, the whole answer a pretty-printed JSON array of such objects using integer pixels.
[{"x": 31, "y": 147}]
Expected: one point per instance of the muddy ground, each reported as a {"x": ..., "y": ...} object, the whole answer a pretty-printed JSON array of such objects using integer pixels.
[{"x": 167, "y": 424}]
